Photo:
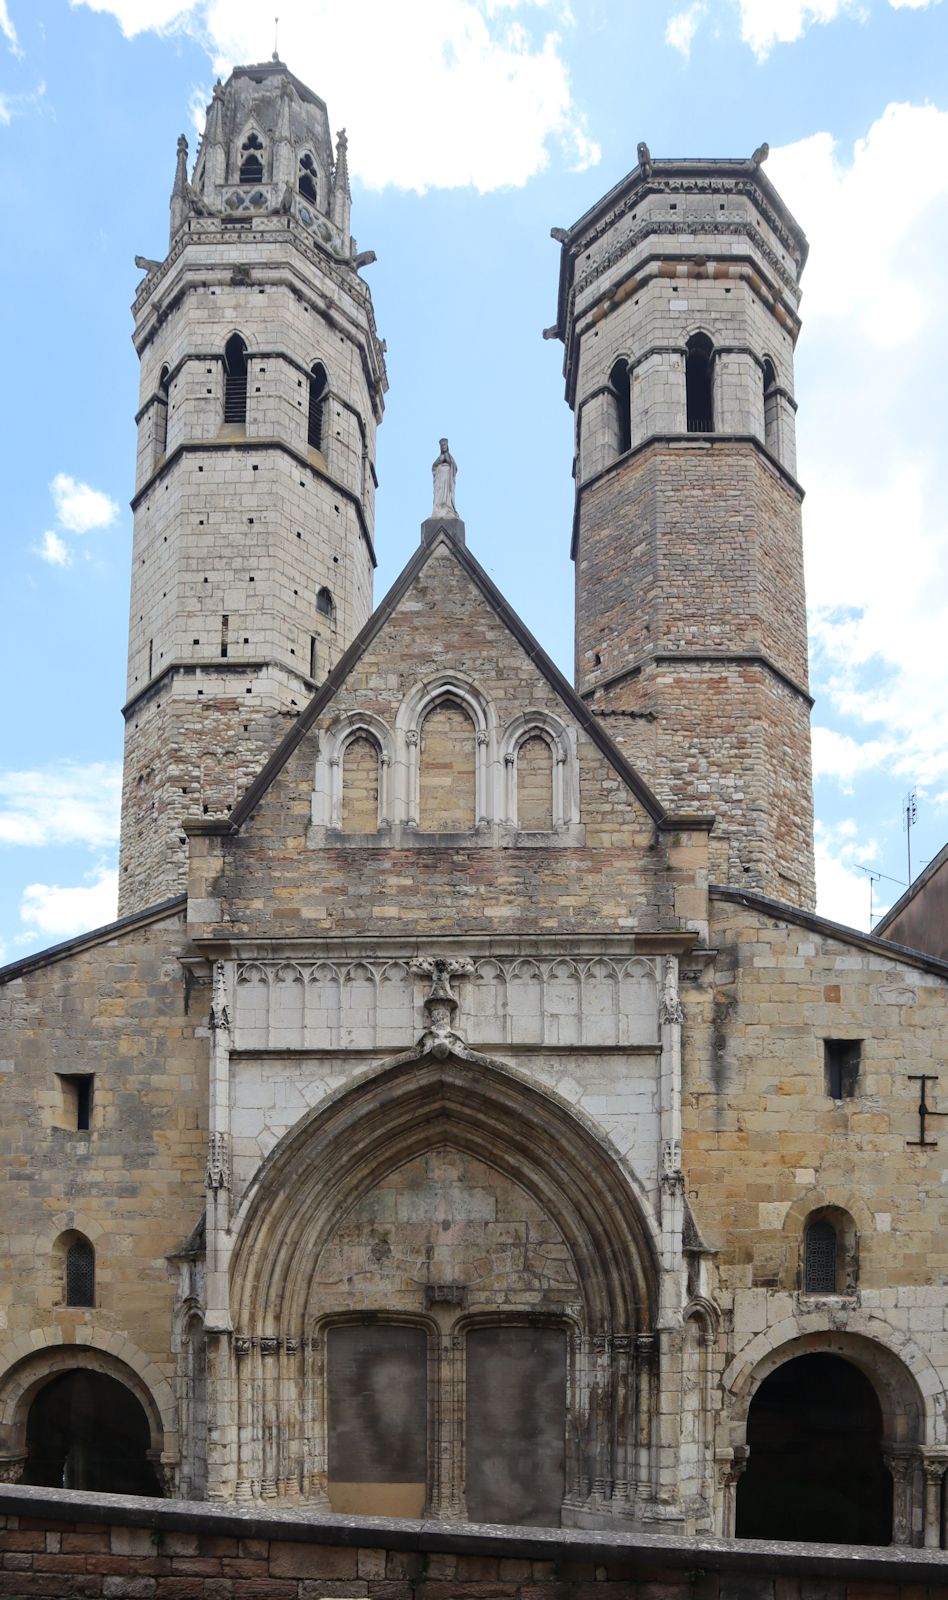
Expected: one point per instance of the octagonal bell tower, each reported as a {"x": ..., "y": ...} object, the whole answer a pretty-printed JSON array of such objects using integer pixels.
[
  {"x": 678, "y": 307},
  {"x": 262, "y": 383}
]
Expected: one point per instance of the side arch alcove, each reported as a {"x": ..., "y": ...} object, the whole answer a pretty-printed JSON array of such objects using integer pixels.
[{"x": 465, "y": 1216}]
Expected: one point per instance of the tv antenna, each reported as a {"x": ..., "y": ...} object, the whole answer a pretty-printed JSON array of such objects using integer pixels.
[
  {"x": 909, "y": 819},
  {"x": 874, "y": 875}
]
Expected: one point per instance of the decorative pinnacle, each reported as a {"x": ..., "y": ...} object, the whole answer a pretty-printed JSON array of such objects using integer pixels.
[
  {"x": 342, "y": 162},
  {"x": 181, "y": 169}
]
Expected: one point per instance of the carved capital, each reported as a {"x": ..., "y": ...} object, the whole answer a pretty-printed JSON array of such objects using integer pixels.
[
  {"x": 243, "y": 1345},
  {"x": 411, "y": 738},
  {"x": 269, "y": 1345},
  {"x": 11, "y": 1468},
  {"x": 291, "y": 1346}
]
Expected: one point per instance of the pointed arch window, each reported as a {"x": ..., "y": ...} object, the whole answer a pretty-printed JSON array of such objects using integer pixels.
[
  {"x": 251, "y": 159},
  {"x": 325, "y": 604},
  {"x": 308, "y": 179},
  {"x": 235, "y": 380},
  {"x": 769, "y": 378},
  {"x": 318, "y": 395},
  {"x": 161, "y": 415},
  {"x": 699, "y": 354},
  {"x": 80, "y": 1272},
  {"x": 447, "y": 769},
  {"x": 360, "y": 786},
  {"x": 620, "y": 385}
]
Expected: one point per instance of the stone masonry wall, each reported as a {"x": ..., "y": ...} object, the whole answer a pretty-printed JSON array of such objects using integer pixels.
[
  {"x": 691, "y": 548},
  {"x": 765, "y": 1145},
  {"x": 132, "y": 1183},
  {"x": 59, "y": 1544}
]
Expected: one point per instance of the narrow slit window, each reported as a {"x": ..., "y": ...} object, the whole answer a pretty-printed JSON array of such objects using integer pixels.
[
  {"x": 313, "y": 658},
  {"x": 620, "y": 384},
  {"x": 820, "y": 1253},
  {"x": 699, "y": 352},
  {"x": 80, "y": 1273},
  {"x": 251, "y": 160},
  {"x": 318, "y": 390},
  {"x": 235, "y": 380},
  {"x": 770, "y": 405},
  {"x": 161, "y": 415}
]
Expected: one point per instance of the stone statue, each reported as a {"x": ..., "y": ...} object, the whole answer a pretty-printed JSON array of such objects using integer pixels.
[{"x": 444, "y": 471}]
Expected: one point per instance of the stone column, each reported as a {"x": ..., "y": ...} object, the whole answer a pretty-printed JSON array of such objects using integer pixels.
[
  {"x": 934, "y": 1470},
  {"x": 645, "y": 1391},
  {"x": 243, "y": 1350},
  {"x": 269, "y": 1351},
  {"x": 730, "y": 1469}
]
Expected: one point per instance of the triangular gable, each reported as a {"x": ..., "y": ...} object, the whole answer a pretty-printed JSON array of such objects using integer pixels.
[{"x": 514, "y": 624}]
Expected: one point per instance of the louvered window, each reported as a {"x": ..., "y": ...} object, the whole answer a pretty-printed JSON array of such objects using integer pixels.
[
  {"x": 318, "y": 389},
  {"x": 235, "y": 380},
  {"x": 820, "y": 1252},
  {"x": 80, "y": 1274},
  {"x": 251, "y": 160}
]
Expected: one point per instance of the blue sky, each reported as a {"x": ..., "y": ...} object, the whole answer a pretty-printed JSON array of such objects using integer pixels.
[{"x": 474, "y": 126}]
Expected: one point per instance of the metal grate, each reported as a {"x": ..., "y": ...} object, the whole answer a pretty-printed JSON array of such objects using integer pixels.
[
  {"x": 80, "y": 1274},
  {"x": 819, "y": 1273},
  {"x": 700, "y": 425},
  {"x": 235, "y": 397}
]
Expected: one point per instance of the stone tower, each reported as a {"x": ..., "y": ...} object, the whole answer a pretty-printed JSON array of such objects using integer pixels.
[
  {"x": 262, "y": 383},
  {"x": 678, "y": 308}
]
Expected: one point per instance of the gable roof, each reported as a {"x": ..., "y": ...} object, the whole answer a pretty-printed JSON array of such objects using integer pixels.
[
  {"x": 504, "y": 611},
  {"x": 84, "y": 941},
  {"x": 830, "y": 930}
]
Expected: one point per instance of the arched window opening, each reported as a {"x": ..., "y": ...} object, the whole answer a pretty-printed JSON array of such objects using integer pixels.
[
  {"x": 251, "y": 160},
  {"x": 699, "y": 352},
  {"x": 80, "y": 1273},
  {"x": 308, "y": 179},
  {"x": 235, "y": 380},
  {"x": 820, "y": 1256},
  {"x": 87, "y": 1431},
  {"x": 360, "y": 787},
  {"x": 318, "y": 393},
  {"x": 535, "y": 785},
  {"x": 620, "y": 383},
  {"x": 325, "y": 604},
  {"x": 161, "y": 414},
  {"x": 447, "y": 773},
  {"x": 377, "y": 1383},
  {"x": 770, "y": 405},
  {"x": 815, "y": 1469}
]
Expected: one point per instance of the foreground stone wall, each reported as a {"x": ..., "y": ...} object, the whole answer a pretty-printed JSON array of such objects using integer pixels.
[{"x": 65, "y": 1544}]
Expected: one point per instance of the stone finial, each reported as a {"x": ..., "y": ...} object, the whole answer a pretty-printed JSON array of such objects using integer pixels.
[
  {"x": 760, "y": 155},
  {"x": 341, "y": 193},
  {"x": 444, "y": 514},
  {"x": 645, "y": 158}
]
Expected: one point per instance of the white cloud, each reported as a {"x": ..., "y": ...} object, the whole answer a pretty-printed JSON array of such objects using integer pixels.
[
  {"x": 842, "y": 891},
  {"x": 80, "y": 508},
  {"x": 682, "y": 27},
  {"x": 870, "y": 428},
  {"x": 912, "y": 5},
  {"x": 64, "y": 804},
  {"x": 765, "y": 23},
  {"x": 7, "y": 28},
  {"x": 54, "y": 550},
  {"x": 451, "y": 93},
  {"x": 61, "y": 912},
  {"x": 13, "y": 105}
]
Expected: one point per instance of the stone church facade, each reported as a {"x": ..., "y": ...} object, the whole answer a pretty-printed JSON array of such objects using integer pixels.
[{"x": 468, "y": 1116}]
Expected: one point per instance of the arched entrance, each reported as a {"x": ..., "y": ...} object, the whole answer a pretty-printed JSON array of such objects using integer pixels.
[
  {"x": 815, "y": 1469},
  {"x": 86, "y": 1430}
]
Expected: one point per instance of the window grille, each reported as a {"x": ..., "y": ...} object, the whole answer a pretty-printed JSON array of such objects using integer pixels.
[
  {"x": 819, "y": 1270},
  {"x": 80, "y": 1274}
]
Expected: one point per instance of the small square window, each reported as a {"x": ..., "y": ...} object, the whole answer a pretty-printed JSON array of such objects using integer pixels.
[
  {"x": 841, "y": 1060},
  {"x": 77, "y": 1099}
]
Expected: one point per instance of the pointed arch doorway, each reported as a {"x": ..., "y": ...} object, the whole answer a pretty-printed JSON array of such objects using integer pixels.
[{"x": 816, "y": 1470}]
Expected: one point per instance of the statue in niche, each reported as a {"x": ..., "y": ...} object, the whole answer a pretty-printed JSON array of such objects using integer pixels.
[{"x": 444, "y": 471}]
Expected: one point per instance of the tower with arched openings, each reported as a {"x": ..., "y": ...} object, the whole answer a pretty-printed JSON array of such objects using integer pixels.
[
  {"x": 678, "y": 307},
  {"x": 262, "y": 384}
]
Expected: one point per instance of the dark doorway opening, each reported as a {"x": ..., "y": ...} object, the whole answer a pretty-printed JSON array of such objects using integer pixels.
[
  {"x": 815, "y": 1470},
  {"x": 87, "y": 1431}
]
